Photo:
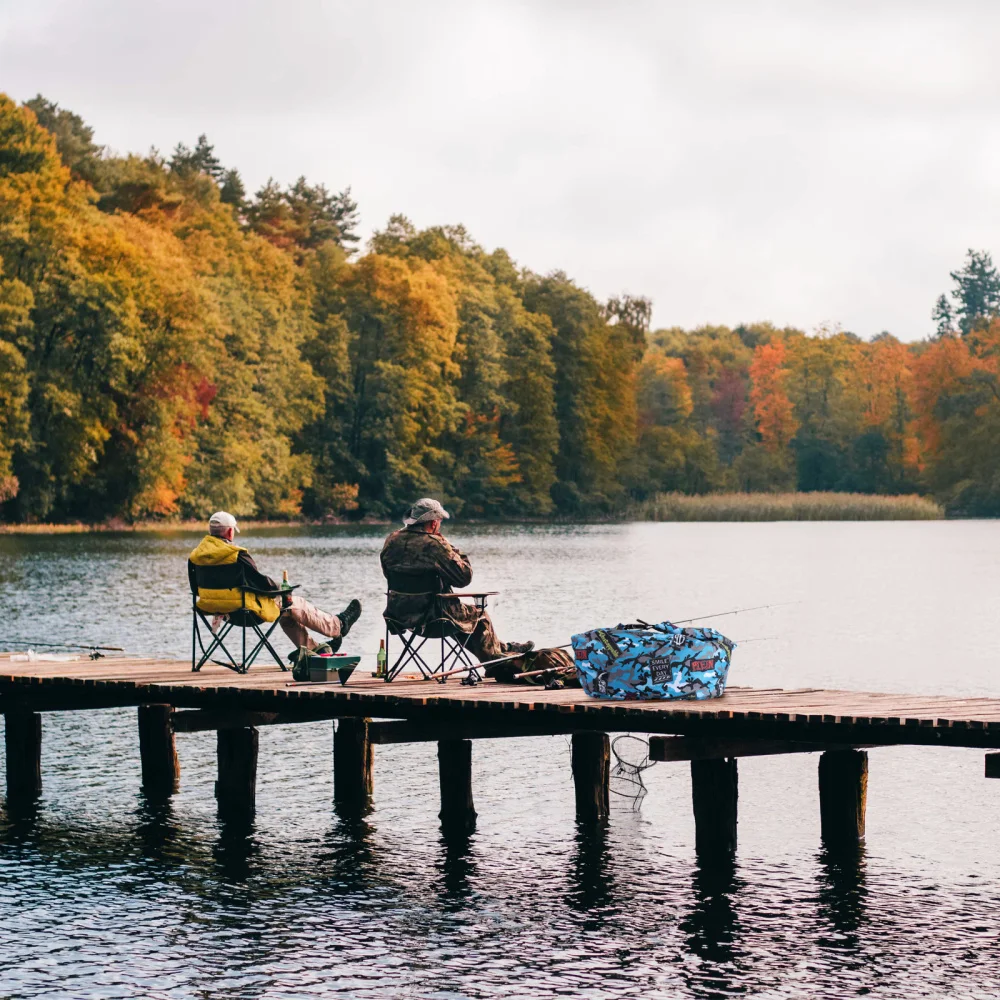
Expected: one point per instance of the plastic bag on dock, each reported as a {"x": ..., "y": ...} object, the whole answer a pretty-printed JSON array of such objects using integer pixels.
[{"x": 640, "y": 662}]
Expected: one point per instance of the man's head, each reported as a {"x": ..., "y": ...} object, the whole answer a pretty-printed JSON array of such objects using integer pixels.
[
  {"x": 222, "y": 525},
  {"x": 426, "y": 514}
]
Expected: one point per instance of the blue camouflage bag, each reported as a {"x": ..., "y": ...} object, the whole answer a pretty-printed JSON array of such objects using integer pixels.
[{"x": 641, "y": 662}]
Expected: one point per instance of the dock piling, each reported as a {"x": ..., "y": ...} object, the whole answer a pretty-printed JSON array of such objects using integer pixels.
[
  {"x": 23, "y": 742},
  {"x": 236, "y": 787},
  {"x": 458, "y": 811},
  {"x": 843, "y": 793},
  {"x": 353, "y": 761},
  {"x": 714, "y": 796},
  {"x": 592, "y": 775},
  {"x": 158, "y": 751}
]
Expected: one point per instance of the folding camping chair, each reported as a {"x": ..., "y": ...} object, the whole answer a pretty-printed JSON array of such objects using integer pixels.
[
  {"x": 453, "y": 641},
  {"x": 243, "y": 618}
]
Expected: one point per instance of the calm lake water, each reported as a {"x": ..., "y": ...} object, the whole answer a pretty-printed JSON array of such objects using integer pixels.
[{"x": 101, "y": 896}]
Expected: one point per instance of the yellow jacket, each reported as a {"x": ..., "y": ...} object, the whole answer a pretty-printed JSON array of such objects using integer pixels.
[{"x": 220, "y": 573}]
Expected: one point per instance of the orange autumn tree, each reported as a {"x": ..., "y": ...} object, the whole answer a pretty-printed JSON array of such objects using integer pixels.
[
  {"x": 772, "y": 409},
  {"x": 957, "y": 394},
  {"x": 767, "y": 463}
]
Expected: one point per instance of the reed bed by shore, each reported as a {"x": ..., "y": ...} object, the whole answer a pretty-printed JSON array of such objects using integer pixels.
[{"x": 787, "y": 507}]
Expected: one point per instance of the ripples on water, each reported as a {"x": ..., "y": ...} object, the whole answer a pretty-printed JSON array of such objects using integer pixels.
[{"x": 103, "y": 896}]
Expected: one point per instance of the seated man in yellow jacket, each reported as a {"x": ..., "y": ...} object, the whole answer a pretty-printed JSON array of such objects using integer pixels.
[{"x": 217, "y": 567}]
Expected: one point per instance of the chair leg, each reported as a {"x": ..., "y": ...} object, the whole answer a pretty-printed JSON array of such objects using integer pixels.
[
  {"x": 410, "y": 654},
  {"x": 264, "y": 638},
  {"x": 218, "y": 642}
]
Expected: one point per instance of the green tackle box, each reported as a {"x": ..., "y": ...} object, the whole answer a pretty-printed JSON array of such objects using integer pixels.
[{"x": 332, "y": 668}]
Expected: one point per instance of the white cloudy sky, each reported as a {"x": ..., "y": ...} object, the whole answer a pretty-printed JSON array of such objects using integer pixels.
[{"x": 800, "y": 162}]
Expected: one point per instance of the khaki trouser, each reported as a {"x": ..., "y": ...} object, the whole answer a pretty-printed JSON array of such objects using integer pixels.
[
  {"x": 483, "y": 643},
  {"x": 302, "y": 615}
]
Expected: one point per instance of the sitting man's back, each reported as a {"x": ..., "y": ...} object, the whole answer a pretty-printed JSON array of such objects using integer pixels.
[{"x": 420, "y": 564}]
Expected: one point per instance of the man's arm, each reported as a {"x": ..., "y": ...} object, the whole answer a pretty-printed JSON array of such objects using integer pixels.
[
  {"x": 253, "y": 576},
  {"x": 453, "y": 566}
]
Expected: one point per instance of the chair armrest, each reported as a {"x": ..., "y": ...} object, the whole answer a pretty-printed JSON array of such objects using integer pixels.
[
  {"x": 272, "y": 593},
  {"x": 482, "y": 593}
]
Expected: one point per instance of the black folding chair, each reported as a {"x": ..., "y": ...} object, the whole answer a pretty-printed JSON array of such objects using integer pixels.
[
  {"x": 244, "y": 618},
  {"x": 453, "y": 641}
]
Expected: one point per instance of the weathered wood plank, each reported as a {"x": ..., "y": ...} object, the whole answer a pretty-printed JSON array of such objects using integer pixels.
[{"x": 804, "y": 715}]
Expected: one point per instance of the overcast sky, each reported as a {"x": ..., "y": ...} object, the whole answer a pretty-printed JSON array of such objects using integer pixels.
[{"x": 803, "y": 163}]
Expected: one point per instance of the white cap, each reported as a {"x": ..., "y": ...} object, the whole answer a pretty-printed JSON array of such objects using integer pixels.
[{"x": 221, "y": 520}]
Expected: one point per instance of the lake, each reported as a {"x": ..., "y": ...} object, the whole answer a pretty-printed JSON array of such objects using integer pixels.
[{"x": 103, "y": 896}]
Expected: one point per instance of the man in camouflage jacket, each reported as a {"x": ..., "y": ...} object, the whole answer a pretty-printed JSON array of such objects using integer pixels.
[{"x": 420, "y": 564}]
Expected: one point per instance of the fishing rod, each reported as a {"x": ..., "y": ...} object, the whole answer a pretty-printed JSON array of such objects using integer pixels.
[
  {"x": 94, "y": 652},
  {"x": 63, "y": 645}
]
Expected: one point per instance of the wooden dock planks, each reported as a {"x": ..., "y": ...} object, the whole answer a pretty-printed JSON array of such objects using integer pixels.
[{"x": 775, "y": 713}]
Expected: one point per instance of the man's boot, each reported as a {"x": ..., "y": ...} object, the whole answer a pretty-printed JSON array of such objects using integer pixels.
[{"x": 349, "y": 616}]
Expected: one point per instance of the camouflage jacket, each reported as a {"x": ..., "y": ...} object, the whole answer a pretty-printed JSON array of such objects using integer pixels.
[{"x": 419, "y": 566}]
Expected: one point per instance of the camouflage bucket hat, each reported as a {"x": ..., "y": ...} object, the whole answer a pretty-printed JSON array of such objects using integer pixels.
[{"x": 424, "y": 510}]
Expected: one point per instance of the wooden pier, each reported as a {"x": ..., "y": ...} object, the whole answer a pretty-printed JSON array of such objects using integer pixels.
[{"x": 839, "y": 725}]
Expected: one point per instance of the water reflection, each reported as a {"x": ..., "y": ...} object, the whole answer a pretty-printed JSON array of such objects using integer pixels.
[
  {"x": 591, "y": 881},
  {"x": 157, "y": 828},
  {"x": 351, "y": 858},
  {"x": 456, "y": 868},
  {"x": 843, "y": 894},
  {"x": 236, "y": 851}
]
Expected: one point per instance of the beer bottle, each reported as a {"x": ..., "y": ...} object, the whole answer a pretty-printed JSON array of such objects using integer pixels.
[{"x": 380, "y": 659}]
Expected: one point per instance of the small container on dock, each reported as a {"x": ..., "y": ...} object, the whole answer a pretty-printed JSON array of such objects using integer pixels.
[{"x": 332, "y": 667}]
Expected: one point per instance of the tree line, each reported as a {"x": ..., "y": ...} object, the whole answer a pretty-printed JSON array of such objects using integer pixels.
[{"x": 170, "y": 344}]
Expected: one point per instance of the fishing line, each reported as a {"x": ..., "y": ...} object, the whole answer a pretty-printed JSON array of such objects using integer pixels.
[{"x": 738, "y": 611}]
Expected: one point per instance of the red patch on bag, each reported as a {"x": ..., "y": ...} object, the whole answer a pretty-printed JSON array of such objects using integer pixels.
[
  {"x": 581, "y": 654},
  {"x": 702, "y": 664}
]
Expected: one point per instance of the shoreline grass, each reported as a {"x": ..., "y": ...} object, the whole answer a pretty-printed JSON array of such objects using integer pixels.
[
  {"x": 787, "y": 507},
  {"x": 663, "y": 507}
]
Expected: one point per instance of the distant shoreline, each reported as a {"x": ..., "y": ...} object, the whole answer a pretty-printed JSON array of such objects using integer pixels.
[{"x": 719, "y": 507}]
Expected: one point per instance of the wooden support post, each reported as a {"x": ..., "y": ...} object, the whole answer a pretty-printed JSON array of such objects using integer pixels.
[
  {"x": 158, "y": 751},
  {"x": 714, "y": 795},
  {"x": 458, "y": 811},
  {"x": 23, "y": 740},
  {"x": 236, "y": 788},
  {"x": 592, "y": 775},
  {"x": 843, "y": 791},
  {"x": 353, "y": 760}
]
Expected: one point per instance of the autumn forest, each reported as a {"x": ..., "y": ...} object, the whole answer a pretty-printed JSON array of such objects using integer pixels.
[{"x": 171, "y": 344}]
